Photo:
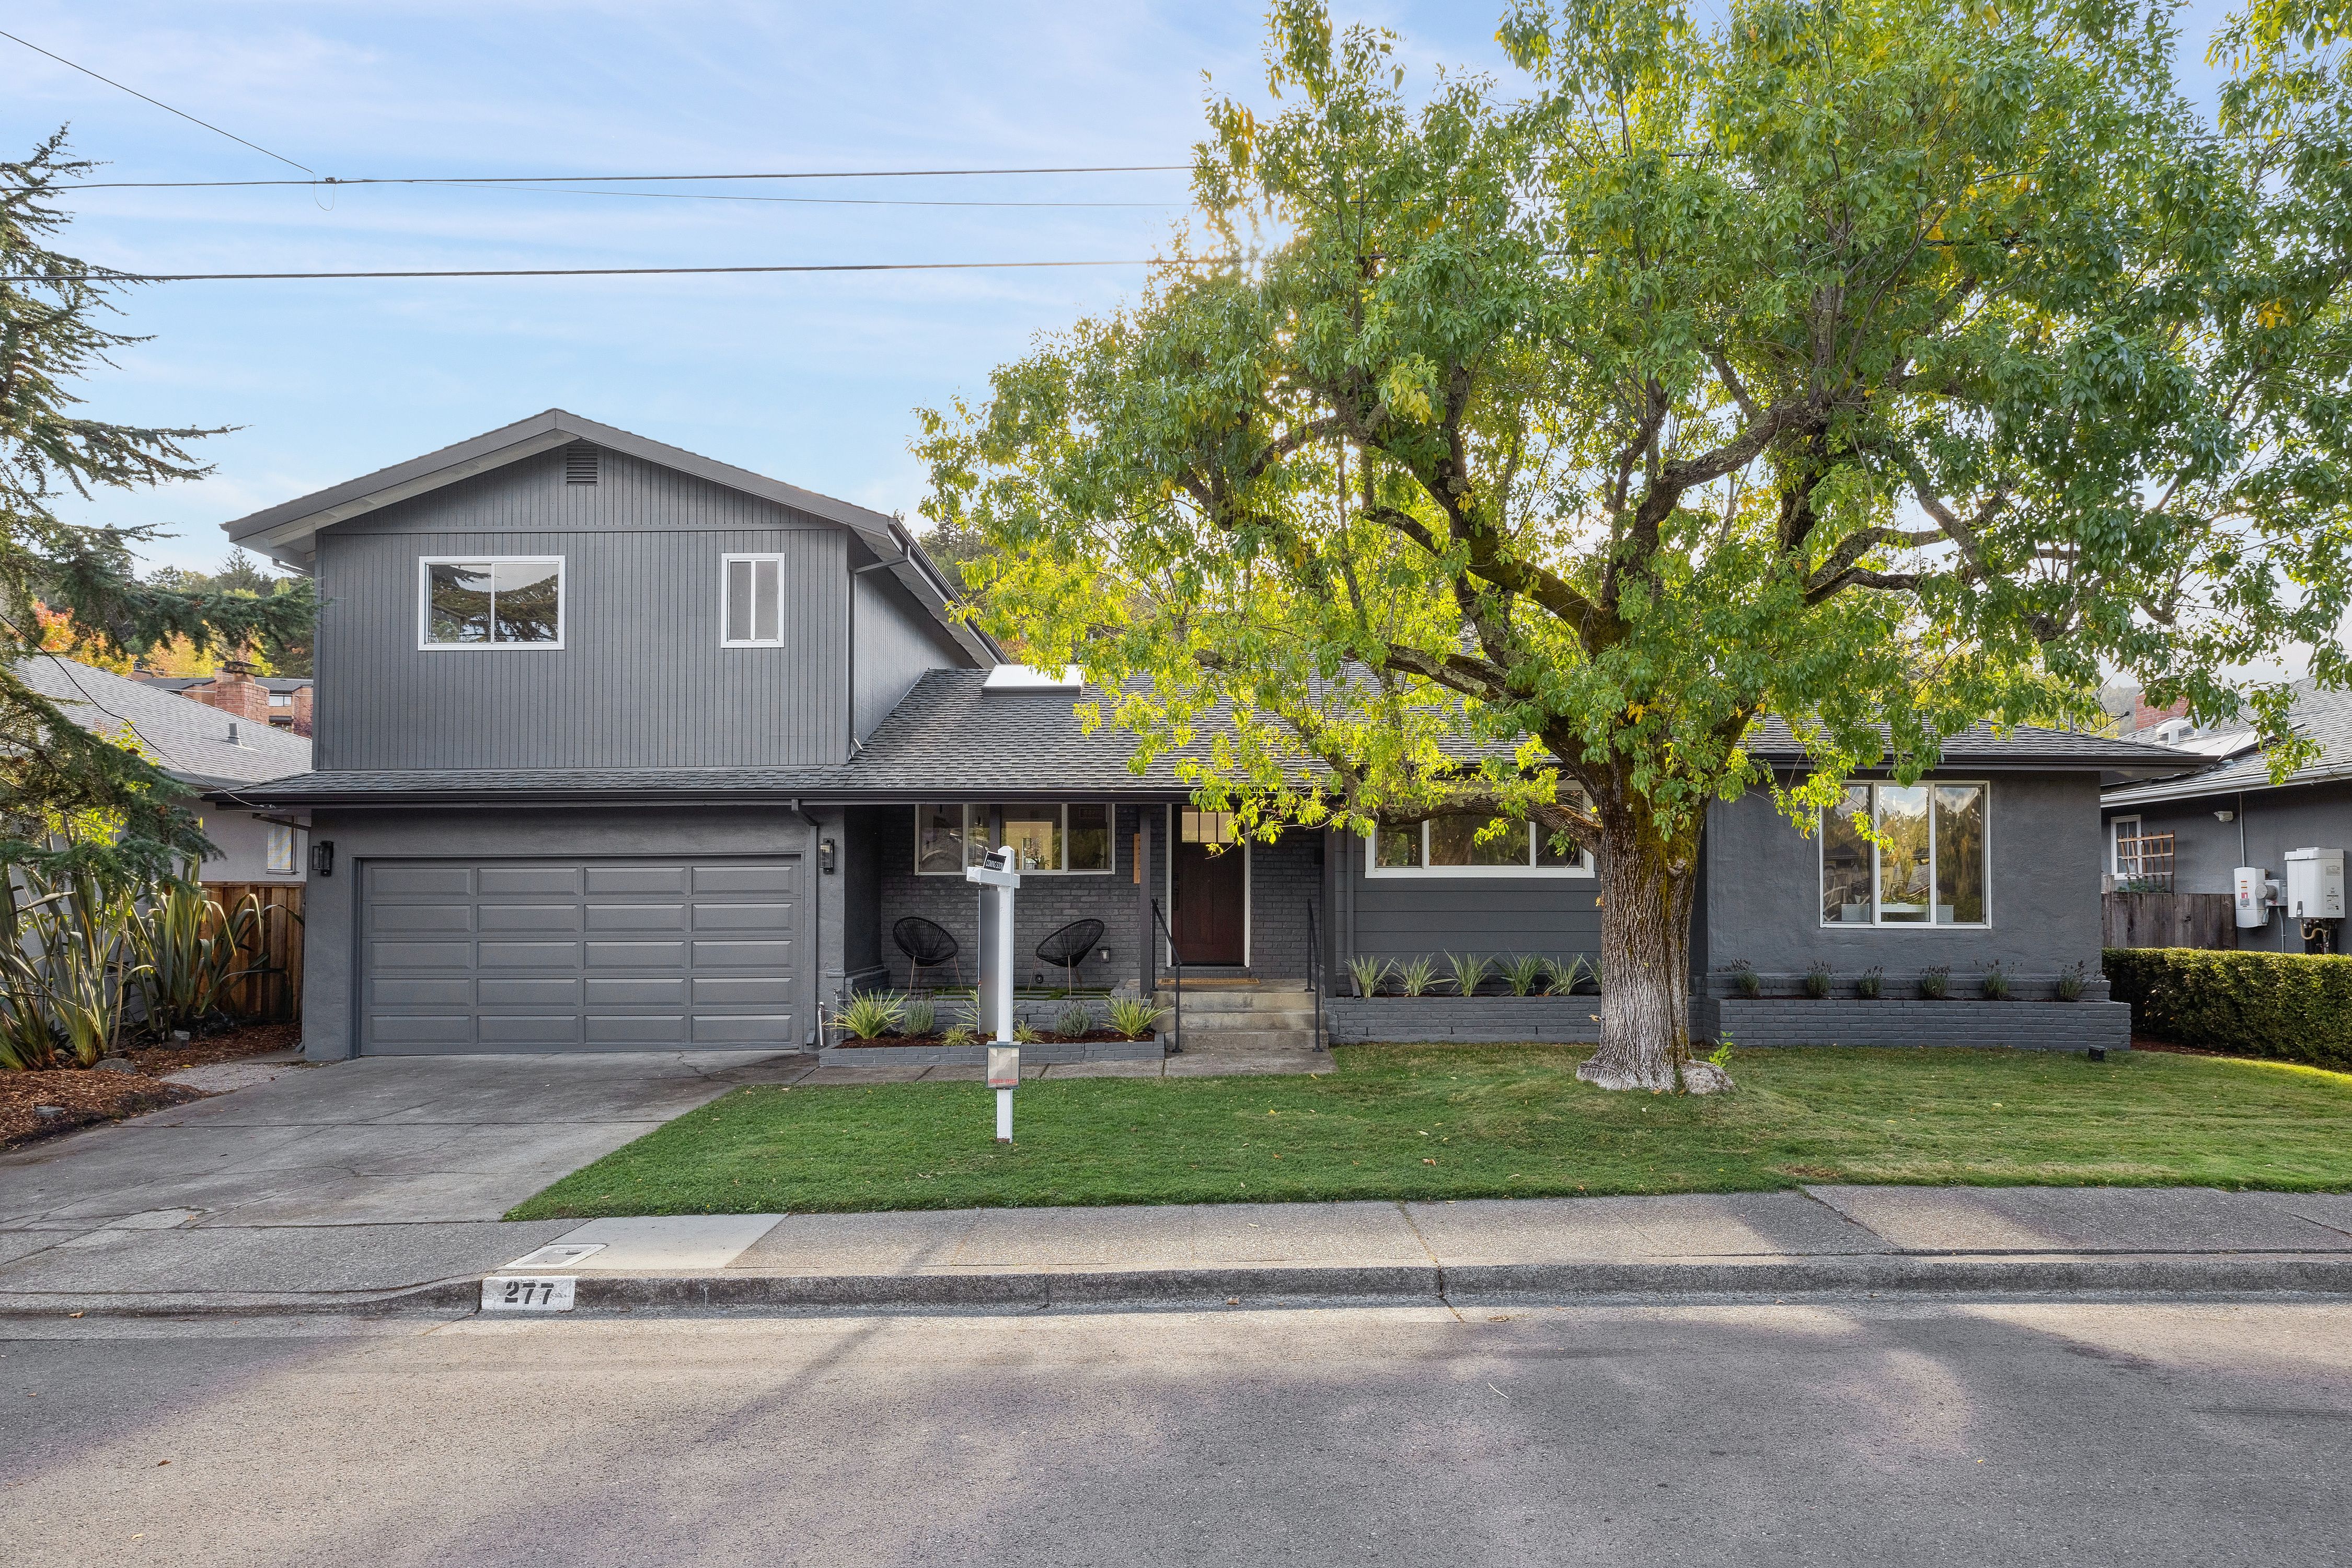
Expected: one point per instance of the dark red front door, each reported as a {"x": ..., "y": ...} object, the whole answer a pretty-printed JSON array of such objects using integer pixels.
[{"x": 1212, "y": 902}]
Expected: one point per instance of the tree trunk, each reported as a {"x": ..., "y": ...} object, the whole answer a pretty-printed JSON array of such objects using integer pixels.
[{"x": 1647, "y": 886}]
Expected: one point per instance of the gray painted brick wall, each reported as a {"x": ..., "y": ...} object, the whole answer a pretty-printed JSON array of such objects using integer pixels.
[
  {"x": 1044, "y": 904},
  {"x": 2022, "y": 1025}
]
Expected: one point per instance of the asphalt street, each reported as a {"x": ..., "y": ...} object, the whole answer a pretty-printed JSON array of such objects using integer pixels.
[{"x": 1864, "y": 1433}]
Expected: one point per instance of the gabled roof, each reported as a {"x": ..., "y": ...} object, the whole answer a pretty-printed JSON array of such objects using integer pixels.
[
  {"x": 289, "y": 531},
  {"x": 186, "y": 738},
  {"x": 2325, "y": 716}
]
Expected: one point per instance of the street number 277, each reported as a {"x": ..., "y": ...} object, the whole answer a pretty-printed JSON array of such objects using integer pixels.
[{"x": 521, "y": 1293}]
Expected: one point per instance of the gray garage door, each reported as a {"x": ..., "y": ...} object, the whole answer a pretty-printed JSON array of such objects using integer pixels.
[{"x": 508, "y": 955}]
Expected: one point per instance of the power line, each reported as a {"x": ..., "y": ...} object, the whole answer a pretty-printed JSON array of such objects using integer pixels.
[
  {"x": 604, "y": 271},
  {"x": 164, "y": 107},
  {"x": 796, "y": 201},
  {"x": 592, "y": 179}
]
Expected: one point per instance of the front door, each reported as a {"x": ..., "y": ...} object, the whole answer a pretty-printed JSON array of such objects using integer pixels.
[{"x": 1212, "y": 890}]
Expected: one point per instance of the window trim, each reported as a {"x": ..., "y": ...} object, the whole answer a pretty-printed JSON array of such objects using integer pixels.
[
  {"x": 726, "y": 562},
  {"x": 1110, "y": 813},
  {"x": 2115, "y": 841},
  {"x": 1876, "y": 920},
  {"x": 269, "y": 866},
  {"x": 1585, "y": 868},
  {"x": 425, "y": 643}
]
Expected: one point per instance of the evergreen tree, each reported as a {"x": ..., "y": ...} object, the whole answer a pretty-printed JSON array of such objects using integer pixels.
[{"x": 56, "y": 778}]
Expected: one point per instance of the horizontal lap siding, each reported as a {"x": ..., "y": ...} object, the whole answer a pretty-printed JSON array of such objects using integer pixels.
[
  {"x": 1410, "y": 917},
  {"x": 641, "y": 680}
]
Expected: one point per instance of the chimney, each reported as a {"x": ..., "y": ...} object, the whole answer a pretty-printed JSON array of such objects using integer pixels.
[
  {"x": 2144, "y": 716},
  {"x": 302, "y": 700},
  {"x": 234, "y": 693}
]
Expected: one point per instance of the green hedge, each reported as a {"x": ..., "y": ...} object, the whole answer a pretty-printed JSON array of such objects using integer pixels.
[{"x": 2287, "y": 1006}]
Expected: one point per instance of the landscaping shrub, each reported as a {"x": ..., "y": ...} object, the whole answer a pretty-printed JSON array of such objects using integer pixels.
[
  {"x": 2289, "y": 1007},
  {"x": 1073, "y": 1021},
  {"x": 1135, "y": 1018}
]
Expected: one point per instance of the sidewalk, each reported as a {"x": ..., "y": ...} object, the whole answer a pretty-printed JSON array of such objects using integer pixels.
[{"x": 1822, "y": 1240}]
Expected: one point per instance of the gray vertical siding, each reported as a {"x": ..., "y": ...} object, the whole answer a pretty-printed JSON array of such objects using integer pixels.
[
  {"x": 894, "y": 641},
  {"x": 641, "y": 680}
]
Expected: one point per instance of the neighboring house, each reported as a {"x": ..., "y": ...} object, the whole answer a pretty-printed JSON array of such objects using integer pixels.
[
  {"x": 215, "y": 753},
  {"x": 625, "y": 748},
  {"x": 281, "y": 702},
  {"x": 2190, "y": 833}
]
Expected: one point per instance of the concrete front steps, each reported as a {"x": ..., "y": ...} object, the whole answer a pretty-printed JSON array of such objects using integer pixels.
[{"x": 1225, "y": 1019}]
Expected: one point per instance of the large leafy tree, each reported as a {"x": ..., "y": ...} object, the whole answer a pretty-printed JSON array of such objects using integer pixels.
[
  {"x": 67, "y": 797},
  {"x": 1880, "y": 367}
]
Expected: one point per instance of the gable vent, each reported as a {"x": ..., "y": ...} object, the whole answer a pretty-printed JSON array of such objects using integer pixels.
[{"x": 579, "y": 464}]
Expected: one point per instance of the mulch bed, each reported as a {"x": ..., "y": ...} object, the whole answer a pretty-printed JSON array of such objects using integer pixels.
[
  {"x": 1089, "y": 1038},
  {"x": 82, "y": 1096}
]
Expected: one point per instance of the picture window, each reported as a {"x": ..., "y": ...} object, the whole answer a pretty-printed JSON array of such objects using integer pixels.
[{"x": 491, "y": 602}]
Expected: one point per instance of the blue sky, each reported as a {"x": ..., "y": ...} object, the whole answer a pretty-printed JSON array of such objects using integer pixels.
[{"x": 811, "y": 379}]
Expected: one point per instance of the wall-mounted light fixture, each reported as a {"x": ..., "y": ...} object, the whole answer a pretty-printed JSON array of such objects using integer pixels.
[
  {"x": 322, "y": 857},
  {"x": 2224, "y": 816},
  {"x": 824, "y": 856}
]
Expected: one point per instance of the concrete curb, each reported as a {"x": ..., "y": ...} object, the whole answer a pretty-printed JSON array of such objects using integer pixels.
[{"x": 1923, "y": 1274}]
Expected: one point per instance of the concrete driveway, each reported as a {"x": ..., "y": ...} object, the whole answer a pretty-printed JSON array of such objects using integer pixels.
[{"x": 384, "y": 1139}]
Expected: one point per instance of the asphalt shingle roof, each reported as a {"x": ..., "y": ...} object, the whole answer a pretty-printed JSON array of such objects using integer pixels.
[
  {"x": 186, "y": 738},
  {"x": 949, "y": 739},
  {"x": 2325, "y": 716}
]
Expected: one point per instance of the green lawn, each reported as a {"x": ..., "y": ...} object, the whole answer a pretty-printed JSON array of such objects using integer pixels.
[{"x": 1402, "y": 1122}]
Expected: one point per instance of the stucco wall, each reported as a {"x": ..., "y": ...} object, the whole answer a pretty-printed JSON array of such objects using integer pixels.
[{"x": 244, "y": 842}]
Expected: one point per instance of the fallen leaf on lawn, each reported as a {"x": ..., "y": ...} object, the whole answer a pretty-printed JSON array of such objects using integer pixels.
[{"x": 1429, "y": 1161}]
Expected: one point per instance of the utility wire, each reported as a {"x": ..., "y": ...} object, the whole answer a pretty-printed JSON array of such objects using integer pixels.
[
  {"x": 164, "y": 107},
  {"x": 104, "y": 277},
  {"x": 590, "y": 179},
  {"x": 800, "y": 201}
]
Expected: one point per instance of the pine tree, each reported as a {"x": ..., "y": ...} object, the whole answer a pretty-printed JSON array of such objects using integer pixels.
[{"x": 54, "y": 333}]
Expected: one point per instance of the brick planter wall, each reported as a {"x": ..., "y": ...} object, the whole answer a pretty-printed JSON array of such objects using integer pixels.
[
  {"x": 1767, "y": 1021},
  {"x": 1491, "y": 1019},
  {"x": 2024, "y": 1026}
]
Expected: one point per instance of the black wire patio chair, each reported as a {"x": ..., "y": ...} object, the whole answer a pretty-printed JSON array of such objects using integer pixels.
[
  {"x": 927, "y": 945},
  {"x": 1067, "y": 947}
]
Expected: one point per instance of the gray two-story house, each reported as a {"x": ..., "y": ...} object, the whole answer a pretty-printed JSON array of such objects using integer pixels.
[{"x": 622, "y": 748}]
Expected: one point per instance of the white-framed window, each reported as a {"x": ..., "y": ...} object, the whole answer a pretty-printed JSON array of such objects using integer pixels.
[
  {"x": 750, "y": 600},
  {"x": 1447, "y": 844},
  {"x": 1932, "y": 869},
  {"x": 1059, "y": 840},
  {"x": 278, "y": 850},
  {"x": 489, "y": 602},
  {"x": 2123, "y": 844}
]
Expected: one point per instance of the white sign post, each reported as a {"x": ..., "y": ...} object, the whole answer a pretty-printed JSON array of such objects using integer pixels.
[
  {"x": 998, "y": 882},
  {"x": 1004, "y": 1076}
]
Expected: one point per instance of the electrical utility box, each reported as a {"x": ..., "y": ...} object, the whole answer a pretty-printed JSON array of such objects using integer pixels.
[
  {"x": 2315, "y": 884},
  {"x": 2250, "y": 897}
]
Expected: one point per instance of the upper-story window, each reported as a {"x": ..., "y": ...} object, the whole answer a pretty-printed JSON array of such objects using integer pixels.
[
  {"x": 1929, "y": 871},
  {"x": 750, "y": 591},
  {"x": 491, "y": 600},
  {"x": 1447, "y": 845}
]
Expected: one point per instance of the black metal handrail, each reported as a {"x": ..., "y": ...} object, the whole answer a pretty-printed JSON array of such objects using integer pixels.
[
  {"x": 1176, "y": 966},
  {"x": 1315, "y": 968}
]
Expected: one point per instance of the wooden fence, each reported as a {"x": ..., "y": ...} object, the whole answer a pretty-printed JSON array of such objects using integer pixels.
[
  {"x": 2171, "y": 919},
  {"x": 274, "y": 993}
]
